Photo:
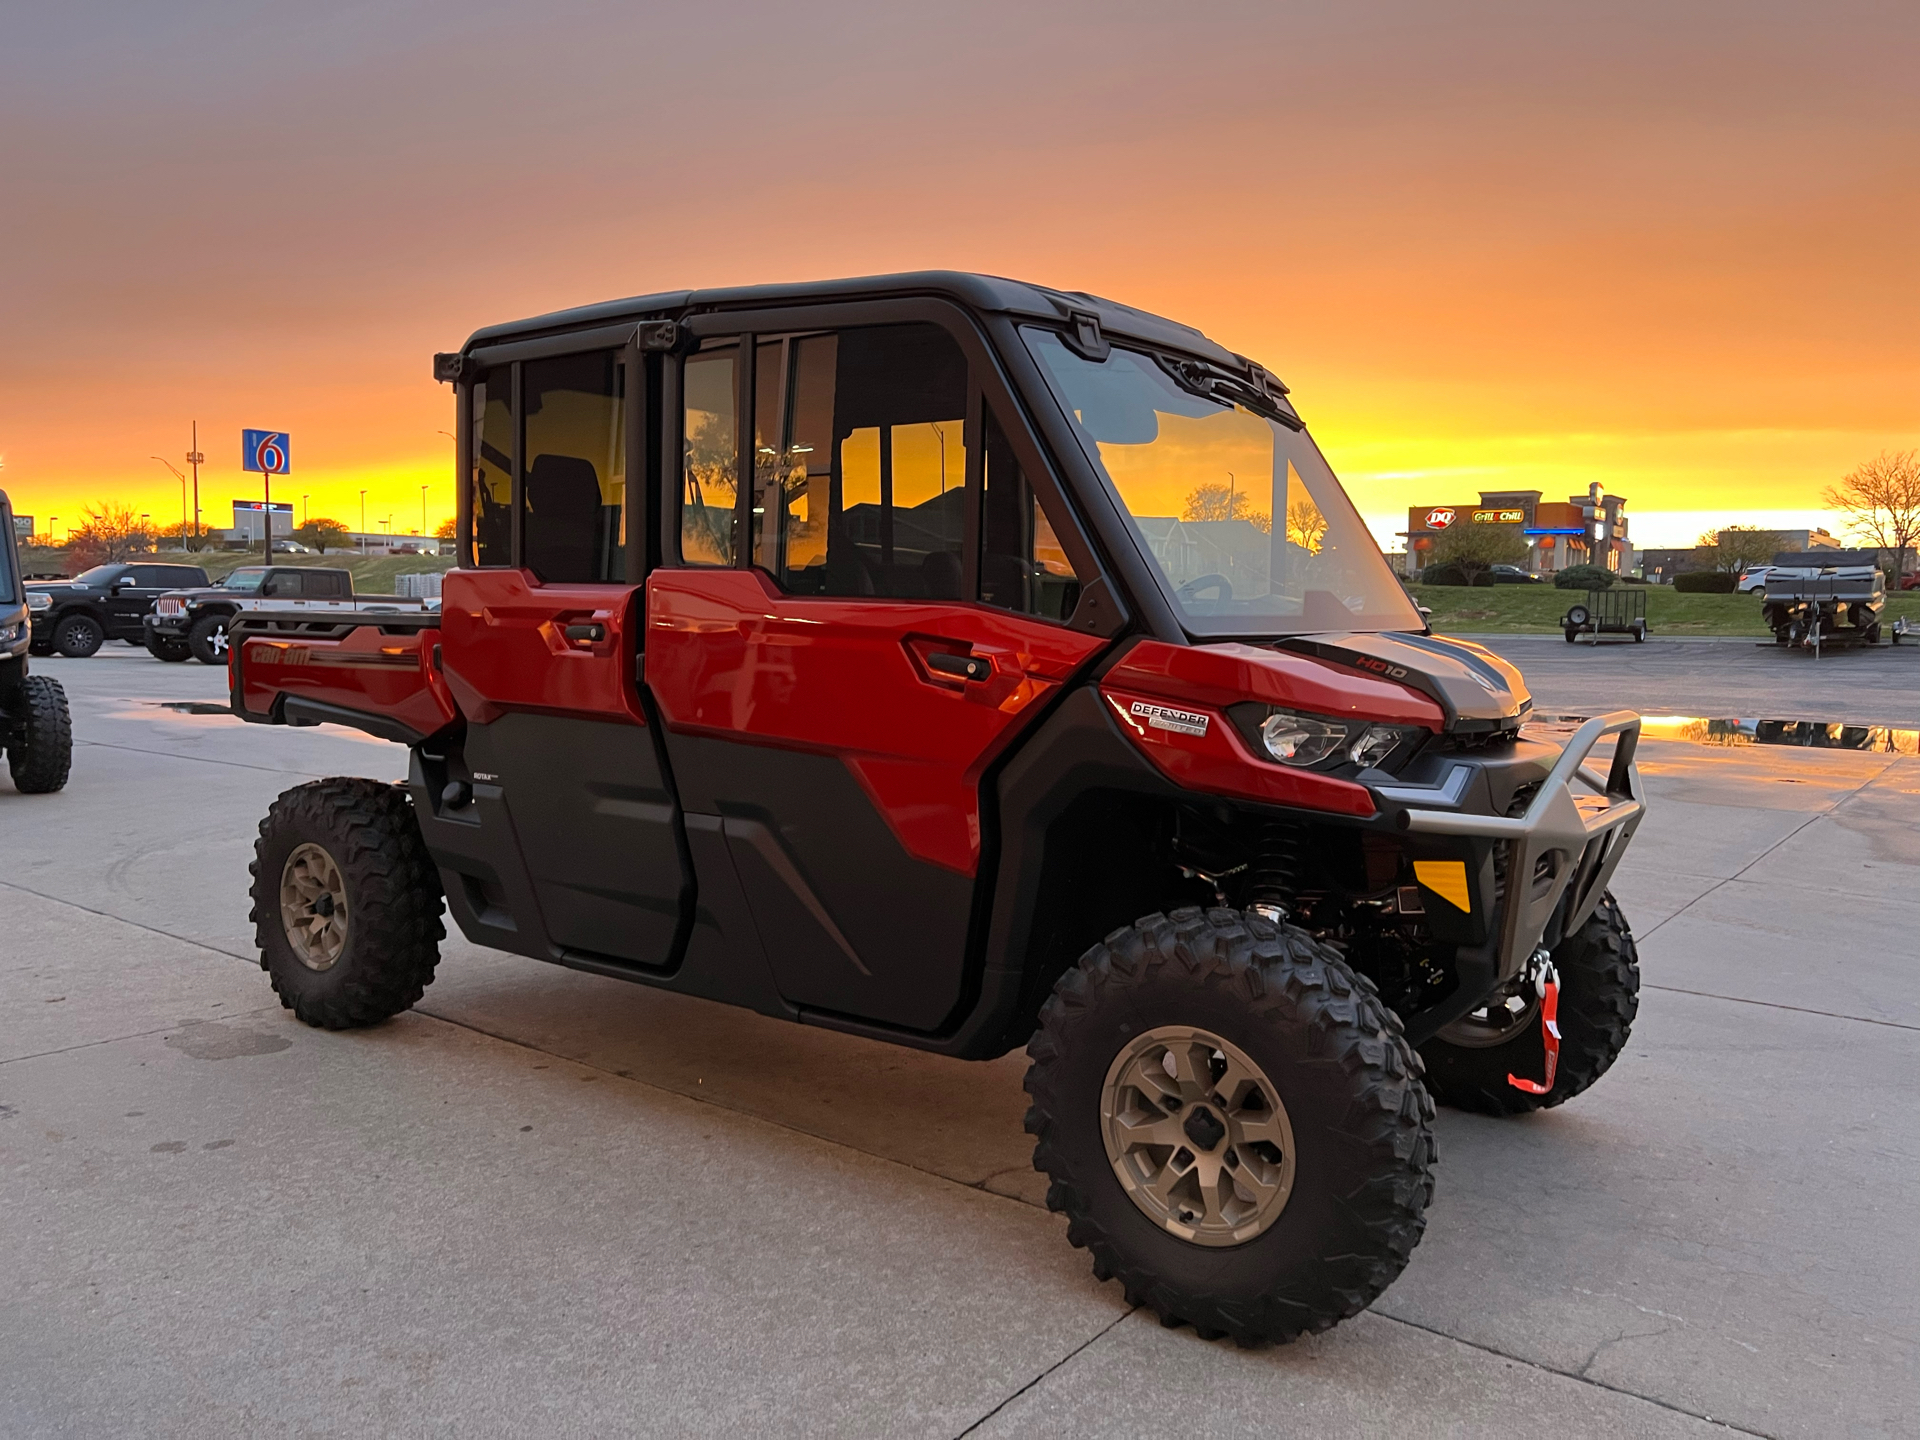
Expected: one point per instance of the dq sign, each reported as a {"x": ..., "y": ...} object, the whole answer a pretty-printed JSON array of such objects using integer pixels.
[{"x": 1439, "y": 519}]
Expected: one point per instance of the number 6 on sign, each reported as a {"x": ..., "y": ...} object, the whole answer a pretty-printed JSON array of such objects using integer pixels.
[{"x": 266, "y": 451}]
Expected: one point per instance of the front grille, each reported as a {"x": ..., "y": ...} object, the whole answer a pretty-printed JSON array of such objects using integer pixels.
[{"x": 169, "y": 606}]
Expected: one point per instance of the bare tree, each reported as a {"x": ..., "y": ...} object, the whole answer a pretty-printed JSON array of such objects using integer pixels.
[
  {"x": 1306, "y": 526},
  {"x": 1478, "y": 548},
  {"x": 1215, "y": 501},
  {"x": 1736, "y": 547},
  {"x": 108, "y": 533},
  {"x": 1881, "y": 500}
]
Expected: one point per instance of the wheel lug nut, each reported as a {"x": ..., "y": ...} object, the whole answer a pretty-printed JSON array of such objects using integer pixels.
[{"x": 1233, "y": 1159}]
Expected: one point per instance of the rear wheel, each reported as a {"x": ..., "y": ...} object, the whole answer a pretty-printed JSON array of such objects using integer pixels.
[
  {"x": 1232, "y": 1123},
  {"x": 346, "y": 902},
  {"x": 1469, "y": 1061},
  {"x": 207, "y": 640},
  {"x": 78, "y": 636},
  {"x": 40, "y": 751},
  {"x": 1572, "y": 635}
]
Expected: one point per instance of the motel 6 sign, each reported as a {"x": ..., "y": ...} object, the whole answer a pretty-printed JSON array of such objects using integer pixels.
[
  {"x": 1439, "y": 519},
  {"x": 266, "y": 451}
]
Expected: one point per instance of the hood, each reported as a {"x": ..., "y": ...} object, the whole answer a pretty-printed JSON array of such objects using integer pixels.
[{"x": 1478, "y": 690}]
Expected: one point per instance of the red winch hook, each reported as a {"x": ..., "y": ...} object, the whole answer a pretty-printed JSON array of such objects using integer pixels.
[{"x": 1549, "y": 1033}]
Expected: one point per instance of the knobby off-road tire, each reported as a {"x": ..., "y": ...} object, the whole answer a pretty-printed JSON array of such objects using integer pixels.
[
  {"x": 40, "y": 756},
  {"x": 1361, "y": 1175},
  {"x": 361, "y": 839},
  {"x": 1599, "y": 997},
  {"x": 207, "y": 640}
]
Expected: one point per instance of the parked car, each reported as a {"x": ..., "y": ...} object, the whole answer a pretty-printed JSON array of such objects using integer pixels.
[
  {"x": 1753, "y": 580},
  {"x": 109, "y": 602},
  {"x": 1513, "y": 575},
  {"x": 1910, "y": 582}
]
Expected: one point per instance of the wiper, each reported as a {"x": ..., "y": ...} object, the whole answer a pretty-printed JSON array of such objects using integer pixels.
[{"x": 1257, "y": 390}]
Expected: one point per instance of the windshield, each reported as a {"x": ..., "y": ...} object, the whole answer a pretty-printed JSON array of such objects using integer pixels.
[
  {"x": 1250, "y": 530},
  {"x": 244, "y": 580},
  {"x": 7, "y": 590},
  {"x": 98, "y": 575}
]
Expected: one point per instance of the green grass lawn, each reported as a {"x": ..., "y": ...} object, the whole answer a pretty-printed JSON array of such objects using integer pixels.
[{"x": 1536, "y": 610}]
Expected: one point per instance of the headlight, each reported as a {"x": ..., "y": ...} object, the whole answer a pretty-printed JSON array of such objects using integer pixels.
[
  {"x": 9, "y": 634},
  {"x": 1379, "y": 742},
  {"x": 1300, "y": 739},
  {"x": 37, "y": 600}
]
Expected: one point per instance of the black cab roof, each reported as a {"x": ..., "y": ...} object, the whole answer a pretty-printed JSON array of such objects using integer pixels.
[{"x": 975, "y": 292}]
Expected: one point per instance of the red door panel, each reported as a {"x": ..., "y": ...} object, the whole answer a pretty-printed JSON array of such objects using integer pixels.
[
  {"x": 730, "y": 656},
  {"x": 506, "y": 646}
]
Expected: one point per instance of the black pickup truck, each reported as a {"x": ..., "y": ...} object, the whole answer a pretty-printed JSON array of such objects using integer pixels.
[
  {"x": 194, "y": 622},
  {"x": 76, "y": 617}
]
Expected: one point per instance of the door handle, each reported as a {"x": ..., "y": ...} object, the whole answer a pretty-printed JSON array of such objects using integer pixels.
[
  {"x": 968, "y": 667},
  {"x": 586, "y": 634}
]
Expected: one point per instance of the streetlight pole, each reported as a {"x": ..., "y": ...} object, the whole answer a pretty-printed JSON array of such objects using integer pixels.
[
  {"x": 195, "y": 458},
  {"x": 423, "y": 510},
  {"x": 363, "y": 522},
  {"x": 183, "y": 496}
]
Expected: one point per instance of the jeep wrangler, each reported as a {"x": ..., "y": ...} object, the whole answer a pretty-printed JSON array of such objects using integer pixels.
[
  {"x": 967, "y": 664},
  {"x": 35, "y": 730}
]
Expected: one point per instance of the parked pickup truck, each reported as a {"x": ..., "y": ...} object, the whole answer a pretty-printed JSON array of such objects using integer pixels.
[{"x": 194, "y": 622}]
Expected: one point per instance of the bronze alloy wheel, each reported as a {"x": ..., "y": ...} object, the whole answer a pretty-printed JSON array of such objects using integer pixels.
[
  {"x": 1197, "y": 1135},
  {"x": 313, "y": 907}
]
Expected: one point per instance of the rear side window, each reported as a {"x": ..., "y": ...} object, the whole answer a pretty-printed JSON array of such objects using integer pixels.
[
  {"x": 710, "y": 460},
  {"x": 574, "y": 484},
  {"x": 491, "y": 496},
  {"x": 324, "y": 585},
  {"x": 860, "y": 462}
]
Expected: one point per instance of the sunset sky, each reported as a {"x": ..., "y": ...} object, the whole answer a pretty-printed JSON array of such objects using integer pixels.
[{"x": 1671, "y": 246}]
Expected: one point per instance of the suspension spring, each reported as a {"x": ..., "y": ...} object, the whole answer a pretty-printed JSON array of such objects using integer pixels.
[{"x": 1275, "y": 875}]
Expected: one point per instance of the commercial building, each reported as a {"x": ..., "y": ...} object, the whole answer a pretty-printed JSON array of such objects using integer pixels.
[
  {"x": 1663, "y": 565},
  {"x": 1588, "y": 529}
]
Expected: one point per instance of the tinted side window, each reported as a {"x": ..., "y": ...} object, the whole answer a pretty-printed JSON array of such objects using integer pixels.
[
  {"x": 574, "y": 488},
  {"x": 860, "y": 444},
  {"x": 710, "y": 466},
  {"x": 492, "y": 483},
  {"x": 283, "y": 583},
  {"x": 149, "y": 576},
  {"x": 1022, "y": 564},
  {"x": 324, "y": 585}
]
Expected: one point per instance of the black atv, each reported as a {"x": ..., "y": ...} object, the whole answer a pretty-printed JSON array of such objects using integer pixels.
[{"x": 34, "y": 728}]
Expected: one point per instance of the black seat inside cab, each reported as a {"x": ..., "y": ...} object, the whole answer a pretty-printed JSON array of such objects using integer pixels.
[{"x": 563, "y": 517}]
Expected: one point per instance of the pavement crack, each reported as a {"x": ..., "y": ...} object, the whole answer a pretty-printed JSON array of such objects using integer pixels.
[
  {"x": 121, "y": 919},
  {"x": 1579, "y": 1378},
  {"x": 197, "y": 759},
  {"x": 1064, "y": 1359},
  {"x": 1777, "y": 1005}
]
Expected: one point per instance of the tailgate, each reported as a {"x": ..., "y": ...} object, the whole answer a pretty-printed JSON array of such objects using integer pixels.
[{"x": 374, "y": 672}]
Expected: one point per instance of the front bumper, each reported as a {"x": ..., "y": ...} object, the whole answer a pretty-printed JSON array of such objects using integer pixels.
[
  {"x": 1560, "y": 853},
  {"x": 164, "y": 627}
]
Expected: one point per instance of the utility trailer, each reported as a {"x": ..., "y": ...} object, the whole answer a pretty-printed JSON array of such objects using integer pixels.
[
  {"x": 1824, "y": 598},
  {"x": 1620, "y": 611}
]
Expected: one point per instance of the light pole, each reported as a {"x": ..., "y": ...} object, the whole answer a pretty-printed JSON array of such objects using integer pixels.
[
  {"x": 363, "y": 522},
  {"x": 423, "y": 510},
  {"x": 183, "y": 497},
  {"x": 196, "y": 460},
  {"x": 306, "y": 514}
]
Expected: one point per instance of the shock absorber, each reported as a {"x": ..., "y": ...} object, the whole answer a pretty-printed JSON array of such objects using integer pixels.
[{"x": 1273, "y": 883}]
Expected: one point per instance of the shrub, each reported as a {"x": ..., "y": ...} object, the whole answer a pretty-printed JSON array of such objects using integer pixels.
[
  {"x": 1449, "y": 573},
  {"x": 1705, "y": 582},
  {"x": 1584, "y": 577}
]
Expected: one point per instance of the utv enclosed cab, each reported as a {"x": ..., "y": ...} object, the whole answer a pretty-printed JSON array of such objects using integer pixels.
[
  {"x": 877, "y": 654},
  {"x": 35, "y": 730}
]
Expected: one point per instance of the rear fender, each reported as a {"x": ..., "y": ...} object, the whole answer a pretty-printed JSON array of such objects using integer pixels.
[{"x": 383, "y": 678}]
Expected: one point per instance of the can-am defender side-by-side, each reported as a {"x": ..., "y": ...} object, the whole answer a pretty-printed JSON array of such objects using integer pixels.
[
  {"x": 969, "y": 665},
  {"x": 34, "y": 727}
]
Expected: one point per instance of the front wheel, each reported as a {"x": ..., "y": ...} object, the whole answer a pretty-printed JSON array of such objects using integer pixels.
[
  {"x": 172, "y": 651},
  {"x": 1232, "y": 1124},
  {"x": 1469, "y": 1061},
  {"x": 207, "y": 640},
  {"x": 40, "y": 753},
  {"x": 346, "y": 902},
  {"x": 78, "y": 636}
]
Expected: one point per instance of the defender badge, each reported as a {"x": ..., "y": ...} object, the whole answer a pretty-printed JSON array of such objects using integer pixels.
[{"x": 1164, "y": 717}]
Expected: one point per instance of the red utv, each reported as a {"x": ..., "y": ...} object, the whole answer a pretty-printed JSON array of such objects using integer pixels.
[{"x": 967, "y": 664}]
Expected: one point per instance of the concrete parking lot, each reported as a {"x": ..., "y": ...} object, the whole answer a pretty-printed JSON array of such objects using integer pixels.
[{"x": 548, "y": 1203}]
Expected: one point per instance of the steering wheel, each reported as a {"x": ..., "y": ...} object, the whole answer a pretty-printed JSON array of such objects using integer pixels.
[{"x": 1221, "y": 587}]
